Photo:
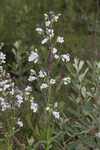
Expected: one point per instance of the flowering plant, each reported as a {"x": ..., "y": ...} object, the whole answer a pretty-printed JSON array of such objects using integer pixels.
[
  {"x": 58, "y": 105},
  {"x": 13, "y": 99}
]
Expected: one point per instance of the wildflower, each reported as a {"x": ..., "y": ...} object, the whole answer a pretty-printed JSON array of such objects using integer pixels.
[
  {"x": 1, "y": 99},
  {"x": 56, "y": 17},
  {"x": 20, "y": 123},
  {"x": 56, "y": 114},
  {"x": 97, "y": 134},
  {"x": 34, "y": 106},
  {"x": 32, "y": 78},
  {"x": 47, "y": 23},
  {"x": 52, "y": 81},
  {"x": 39, "y": 30},
  {"x": 42, "y": 74},
  {"x": 43, "y": 86},
  {"x": 33, "y": 57},
  {"x": 47, "y": 108},
  {"x": 60, "y": 39},
  {"x": 65, "y": 57},
  {"x": 44, "y": 40},
  {"x": 50, "y": 32},
  {"x": 2, "y": 83},
  {"x": 6, "y": 86},
  {"x": 4, "y": 104},
  {"x": 66, "y": 80},
  {"x": 2, "y": 57},
  {"x": 56, "y": 56},
  {"x": 12, "y": 92},
  {"x": 28, "y": 88},
  {"x": 54, "y": 51},
  {"x": 19, "y": 99}
]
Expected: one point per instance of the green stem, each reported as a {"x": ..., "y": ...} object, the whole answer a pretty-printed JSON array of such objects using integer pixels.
[
  {"x": 48, "y": 130},
  {"x": 48, "y": 138}
]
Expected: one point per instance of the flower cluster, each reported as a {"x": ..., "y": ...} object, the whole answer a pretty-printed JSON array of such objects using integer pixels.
[
  {"x": 48, "y": 33},
  {"x": 53, "y": 111},
  {"x": 33, "y": 57},
  {"x": 6, "y": 84}
]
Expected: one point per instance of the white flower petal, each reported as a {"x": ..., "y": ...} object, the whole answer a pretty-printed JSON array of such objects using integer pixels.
[
  {"x": 60, "y": 39},
  {"x": 54, "y": 51},
  {"x": 33, "y": 57},
  {"x": 43, "y": 86},
  {"x": 56, "y": 114},
  {"x": 44, "y": 40},
  {"x": 52, "y": 81}
]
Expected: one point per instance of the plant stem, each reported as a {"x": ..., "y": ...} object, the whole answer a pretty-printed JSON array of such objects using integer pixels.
[{"x": 48, "y": 130}]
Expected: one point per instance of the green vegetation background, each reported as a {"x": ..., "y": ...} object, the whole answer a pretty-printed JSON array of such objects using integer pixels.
[{"x": 79, "y": 24}]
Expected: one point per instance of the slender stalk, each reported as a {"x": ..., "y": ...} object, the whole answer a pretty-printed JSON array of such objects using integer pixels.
[{"x": 48, "y": 130}]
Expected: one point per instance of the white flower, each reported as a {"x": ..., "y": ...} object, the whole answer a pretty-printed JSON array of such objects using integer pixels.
[
  {"x": 44, "y": 40},
  {"x": 43, "y": 86},
  {"x": 2, "y": 57},
  {"x": 66, "y": 80},
  {"x": 12, "y": 92},
  {"x": 54, "y": 51},
  {"x": 28, "y": 88},
  {"x": 47, "y": 23},
  {"x": 50, "y": 32},
  {"x": 6, "y": 86},
  {"x": 56, "y": 114},
  {"x": 52, "y": 81},
  {"x": 19, "y": 99},
  {"x": 42, "y": 74},
  {"x": 34, "y": 107},
  {"x": 39, "y": 30},
  {"x": 47, "y": 108},
  {"x": 56, "y": 17},
  {"x": 98, "y": 134},
  {"x": 4, "y": 104},
  {"x": 3, "y": 83},
  {"x": 60, "y": 39},
  {"x": 65, "y": 57},
  {"x": 56, "y": 56},
  {"x": 32, "y": 78},
  {"x": 1, "y": 99},
  {"x": 33, "y": 57},
  {"x": 20, "y": 123}
]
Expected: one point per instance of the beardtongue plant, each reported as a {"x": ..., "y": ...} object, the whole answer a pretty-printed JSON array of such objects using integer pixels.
[
  {"x": 44, "y": 75},
  {"x": 13, "y": 100}
]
